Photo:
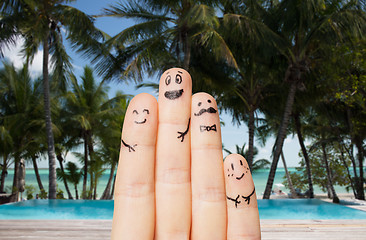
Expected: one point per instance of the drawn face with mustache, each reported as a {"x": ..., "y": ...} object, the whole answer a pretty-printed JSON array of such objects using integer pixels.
[{"x": 205, "y": 110}]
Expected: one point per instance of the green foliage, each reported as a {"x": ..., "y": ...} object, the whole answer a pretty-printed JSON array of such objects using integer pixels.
[
  {"x": 60, "y": 194},
  {"x": 43, "y": 194},
  {"x": 29, "y": 190},
  {"x": 338, "y": 170}
]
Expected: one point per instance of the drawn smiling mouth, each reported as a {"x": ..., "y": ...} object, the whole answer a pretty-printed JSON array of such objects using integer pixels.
[
  {"x": 208, "y": 110},
  {"x": 173, "y": 94},
  {"x": 240, "y": 177},
  {"x": 141, "y": 122}
]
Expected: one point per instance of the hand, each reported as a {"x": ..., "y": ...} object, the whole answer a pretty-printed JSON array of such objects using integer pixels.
[{"x": 171, "y": 180}]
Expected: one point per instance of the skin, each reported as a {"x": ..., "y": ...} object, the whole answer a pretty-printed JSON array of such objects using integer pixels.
[{"x": 175, "y": 185}]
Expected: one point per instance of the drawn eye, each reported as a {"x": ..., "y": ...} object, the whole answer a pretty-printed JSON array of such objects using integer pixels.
[
  {"x": 209, "y": 101},
  {"x": 135, "y": 111},
  {"x": 199, "y": 104},
  {"x": 146, "y": 110},
  {"x": 241, "y": 163},
  {"x": 168, "y": 80},
  {"x": 178, "y": 79}
]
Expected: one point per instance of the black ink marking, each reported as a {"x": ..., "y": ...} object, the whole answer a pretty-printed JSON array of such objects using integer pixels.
[
  {"x": 232, "y": 167},
  {"x": 240, "y": 176},
  {"x": 234, "y": 200},
  {"x": 247, "y": 199},
  {"x": 130, "y": 148},
  {"x": 209, "y": 101},
  {"x": 182, "y": 134},
  {"x": 241, "y": 162},
  {"x": 199, "y": 104},
  {"x": 142, "y": 122},
  {"x": 168, "y": 80},
  {"x": 147, "y": 111},
  {"x": 135, "y": 111},
  {"x": 208, "y": 128},
  {"x": 208, "y": 110},
  {"x": 173, "y": 94},
  {"x": 180, "y": 72},
  {"x": 178, "y": 79}
]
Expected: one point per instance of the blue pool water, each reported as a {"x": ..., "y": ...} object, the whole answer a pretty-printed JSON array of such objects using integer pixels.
[{"x": 87, "y": 209}]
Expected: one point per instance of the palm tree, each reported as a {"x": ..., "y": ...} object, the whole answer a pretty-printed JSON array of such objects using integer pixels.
[
  {"x": 86, "y": 106},
  {"x": 39, "y": 22},
  {"x": 110, "y": 139},
  {"x": 306, "y": 26},
  {"x": 6, "y": 143},
  {"x": 166, "y": 34},
  {"x": 257, "y": 164},
  {"x": 249, "y": 40},
  {"x": 72, "y": 174},
  {"x": 20, "y": 113}
]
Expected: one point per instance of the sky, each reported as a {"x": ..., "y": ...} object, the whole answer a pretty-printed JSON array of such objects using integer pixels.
[{"x": 231, "y": 134}]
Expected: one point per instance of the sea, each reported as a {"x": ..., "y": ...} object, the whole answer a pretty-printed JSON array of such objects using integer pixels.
[{"x": 259, "y": 178}]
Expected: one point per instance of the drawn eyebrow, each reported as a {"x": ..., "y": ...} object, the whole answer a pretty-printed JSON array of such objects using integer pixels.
[
  {"x": 167, "y": 73},
  {"x": 232, "y": 166},
  {"x": 147, "y": 111},
  {"x": 135, "y": 111},
  {"x": 180, "y": 72}
]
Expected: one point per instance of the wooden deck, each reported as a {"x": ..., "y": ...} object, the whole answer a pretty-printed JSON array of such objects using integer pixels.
[{"x": 100, "y": 229}]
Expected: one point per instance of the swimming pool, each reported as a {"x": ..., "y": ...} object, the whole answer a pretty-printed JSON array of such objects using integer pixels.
[{"x": 102, "y": 209}]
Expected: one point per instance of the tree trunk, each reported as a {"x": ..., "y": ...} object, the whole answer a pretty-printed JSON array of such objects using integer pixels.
[
  {"x": 251, "y": 138},
  {"x": 35, "y": 167},
  {"x": 47, "y": 108},
  {"x": 280, "y": 139},
  {"x": 329, "y": 175},
  {"x": 290, "y": 185},
  {"x": 76, "y": 191},
  {"x": 113, "y": 186},
  {"x": 4, "y": 172},
  {"x": 60, "y": 160},
  {"x": 95, "y": 189},
  {"x": 358, "y": 180},
  {"x": 92, "y": 160},
  {"x": 85, "y": 180},
  {"x": 107, "y": 191},
  {"x": 187, "y": 52},
  {"x": 14, "y": 189},
  {"x": 305, "y": 154},
  {"x": 360, "y": 156},
  {"x": 348, "y": 172}
]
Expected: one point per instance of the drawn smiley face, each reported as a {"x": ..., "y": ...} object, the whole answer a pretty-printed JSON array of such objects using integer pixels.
[
  {"x": 203, "y": 110},
  {"x": 141, "y": 118},
  {"x": 237, "y": 170},
  {"x": 173, "y": 77}
]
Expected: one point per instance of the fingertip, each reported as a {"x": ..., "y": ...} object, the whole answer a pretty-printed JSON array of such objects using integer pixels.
[{"x": 141, "y": 119}]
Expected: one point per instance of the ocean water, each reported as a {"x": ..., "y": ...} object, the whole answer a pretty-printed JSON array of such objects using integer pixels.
[{"x": 259, "y": 178}]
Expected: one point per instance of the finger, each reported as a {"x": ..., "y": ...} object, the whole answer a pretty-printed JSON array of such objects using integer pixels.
[
  {"x": 208, "y": 186},
  {"x": 134, "y": 215},
  {"x": 172, "y": 186},
  {"x": 242, "y": 207}
]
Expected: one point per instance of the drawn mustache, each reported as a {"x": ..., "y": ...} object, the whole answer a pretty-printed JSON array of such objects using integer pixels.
[
  {"x": 203, "y": 110},
  {"x": 173, "y": 94}
]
